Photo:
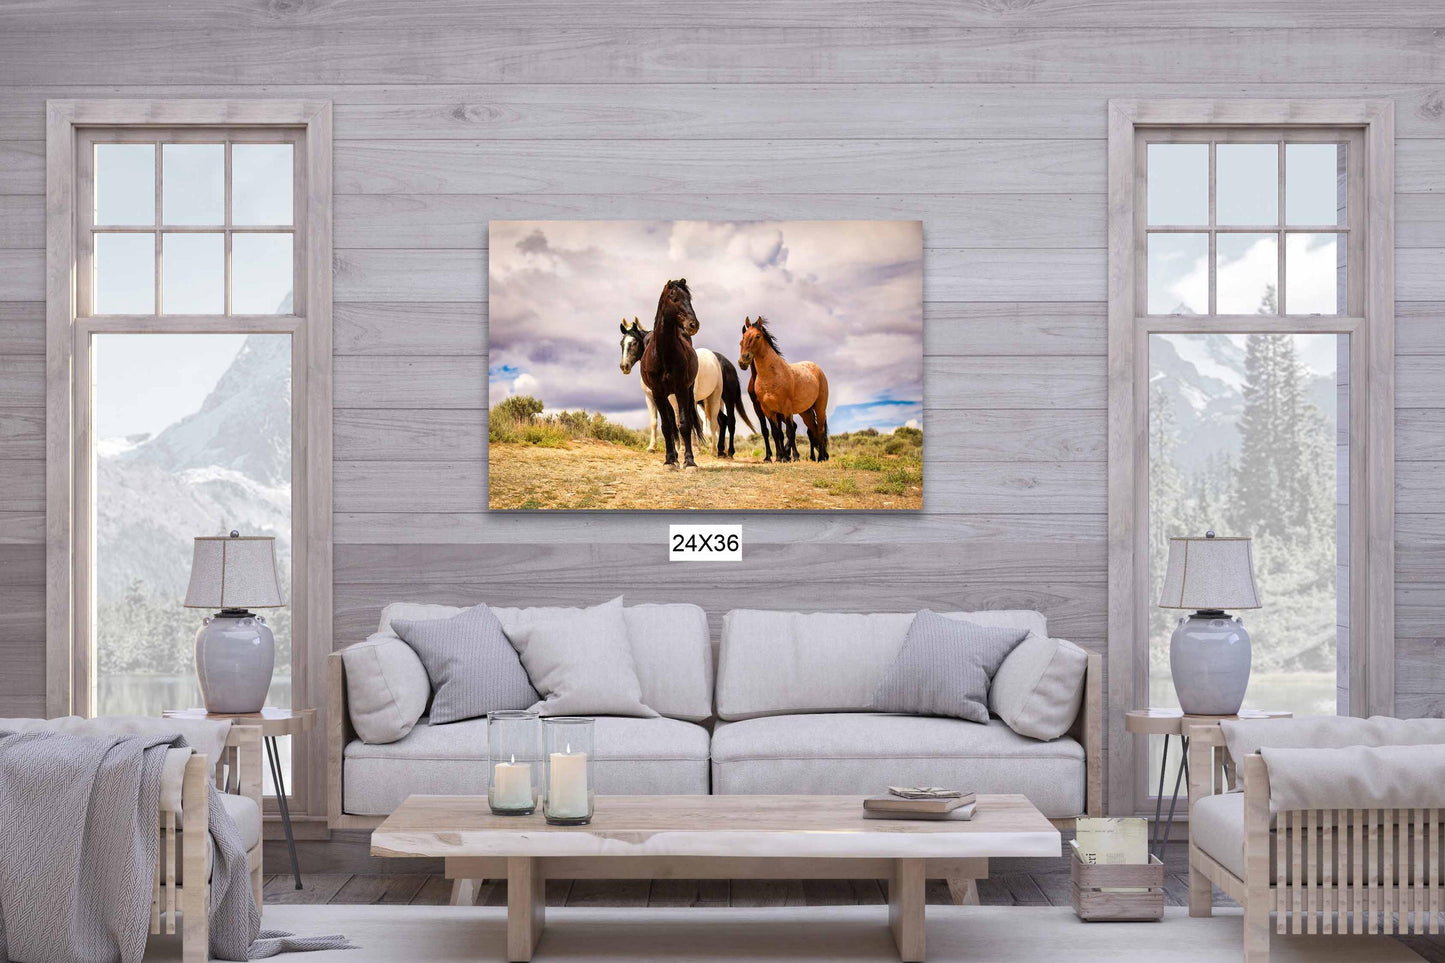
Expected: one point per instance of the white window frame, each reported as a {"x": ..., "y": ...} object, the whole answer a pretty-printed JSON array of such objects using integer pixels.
[
  {"x": 1370, "y": 323},
  {"x": 72, "y": 126}
]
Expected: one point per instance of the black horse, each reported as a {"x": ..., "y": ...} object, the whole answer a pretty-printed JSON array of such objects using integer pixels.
[
  {"x": 732, "y": 406},
  {"x": 669, "y": 367}
]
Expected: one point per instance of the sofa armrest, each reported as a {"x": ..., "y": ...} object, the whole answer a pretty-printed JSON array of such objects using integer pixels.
[
  {"x": 1256, "y": 824},
  {"x": 338, "y": 733},
  {"x": 1093, "y": 714}
]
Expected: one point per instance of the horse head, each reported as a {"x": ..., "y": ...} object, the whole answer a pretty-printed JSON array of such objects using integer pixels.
[
  {"x": 634, "y": 340},
  {"x": 674, "y": 306},
  {"x": 755, "y": 336}
]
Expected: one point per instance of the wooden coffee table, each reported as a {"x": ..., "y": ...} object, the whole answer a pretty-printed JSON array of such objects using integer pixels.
[{"x": 713, "y": 837}]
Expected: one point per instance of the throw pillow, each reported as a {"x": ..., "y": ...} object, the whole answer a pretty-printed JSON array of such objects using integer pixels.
[
  {"x": 581, "y": 663},
  {"x": 944, "y": 668},
  {"x": 1040, "y": 686},
  {"x": 386, "y": 688},
  {"x": 472, "y": 666}
]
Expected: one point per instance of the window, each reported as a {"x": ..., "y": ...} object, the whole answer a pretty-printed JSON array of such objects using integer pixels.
[
  {"x": 186, "y": 336},
  {"x": 1241, "y": 398}
]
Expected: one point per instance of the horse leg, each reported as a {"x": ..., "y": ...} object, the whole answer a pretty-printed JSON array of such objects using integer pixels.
[
  {"x": 779, "y": 444},
  {"x": 687, "y": 411},
  {"x": 793, "y": 438},
  {"x": 763, "y": 428},
  {"x": 732, "y": 429},
  {"x": 713, "y": 404},
  {"x": 814, "y": 446},
  {"x": 652, "y": 421},
  {"x": 820, "y": 411},
  {"x": 669, "y": 425}
]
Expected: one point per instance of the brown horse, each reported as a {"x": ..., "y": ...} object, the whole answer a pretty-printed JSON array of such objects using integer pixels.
[
  {"x": 669, "y": 367},
  {"x": 785, "y": 389}
]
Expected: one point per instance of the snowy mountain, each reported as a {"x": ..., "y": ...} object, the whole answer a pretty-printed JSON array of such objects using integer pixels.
[
  {"x": 225, "y": 466},
  {"x": 1203, "y": 378}
]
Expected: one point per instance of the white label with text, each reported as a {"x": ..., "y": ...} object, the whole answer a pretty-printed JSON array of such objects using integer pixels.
[{"x": 705, "y": 543}]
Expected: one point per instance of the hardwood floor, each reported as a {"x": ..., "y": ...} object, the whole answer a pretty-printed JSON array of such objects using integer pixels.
[{"x": 1012, "y": 882}]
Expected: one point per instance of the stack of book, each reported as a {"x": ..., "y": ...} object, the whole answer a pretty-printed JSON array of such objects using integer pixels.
[{"x": 923, "y": 802}]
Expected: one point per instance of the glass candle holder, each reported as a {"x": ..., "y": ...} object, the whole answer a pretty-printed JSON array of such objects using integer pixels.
[
  {"x": 568, "y": 740},
  {"x": 514, "y": 749}
]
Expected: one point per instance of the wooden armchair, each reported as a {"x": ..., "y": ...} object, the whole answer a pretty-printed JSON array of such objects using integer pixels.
[
  {"x": 187, "y": 847},
  {"x": 1343, "y": 871}
]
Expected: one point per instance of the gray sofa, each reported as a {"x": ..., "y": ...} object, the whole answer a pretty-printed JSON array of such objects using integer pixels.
[{"x": 786, "y": 713}]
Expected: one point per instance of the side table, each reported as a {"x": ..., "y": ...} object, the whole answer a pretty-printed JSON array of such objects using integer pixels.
[
  {"x": 274, "y": 723},
  {"x": 1173, "y": 722}
]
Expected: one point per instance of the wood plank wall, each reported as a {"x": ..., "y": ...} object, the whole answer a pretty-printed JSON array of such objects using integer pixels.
[{"x": 984, "y": 119}]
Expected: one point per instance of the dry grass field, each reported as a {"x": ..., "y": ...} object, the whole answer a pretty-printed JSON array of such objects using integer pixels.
[{"x": 581, "y": 462}]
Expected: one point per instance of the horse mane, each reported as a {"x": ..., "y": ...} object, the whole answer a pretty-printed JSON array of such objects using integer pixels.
[{"x": 762, "y": 325}]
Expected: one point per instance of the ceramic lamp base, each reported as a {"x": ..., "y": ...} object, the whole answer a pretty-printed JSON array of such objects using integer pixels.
[
  {"x": 235, "y": 655},
  {"x": 1209, "y": 657}
]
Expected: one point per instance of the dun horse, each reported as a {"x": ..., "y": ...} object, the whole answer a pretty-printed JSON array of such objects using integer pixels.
[
  {"x": 669, "y": 367},
  {"x": 785, "y": 389}
]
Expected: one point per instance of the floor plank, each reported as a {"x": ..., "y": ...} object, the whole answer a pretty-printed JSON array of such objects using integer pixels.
[
  {"x": 315, "y": 888},
  {"x": 610, "y": 892},
  {"x": 828, "y": 892},
  {"x": 1024, "y": 890},
  {"x": 436, "y": 891},
  {"x": 557, "y": 891},
  {"x": 672, "y": 892},
  {"x": 403, "y": 889},
  {"x": 714, "y": 892},
  {"x": 1058, "y": 888},
  {"x": 768, "y": 892},
  {"x": 362, "y": 889}
]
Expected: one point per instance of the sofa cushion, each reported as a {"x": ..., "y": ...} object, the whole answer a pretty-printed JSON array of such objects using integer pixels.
[
  {"x": 1040, "y": 686},
  {"x": 247, "y": 816},
  {"x": 671, "y": 649},
  {"x": 771, "y": 663},
  {"x": 581, "y": 662},
  {"x": 387, "y": 688},
  {"x": 1216, "y": 826},
  {"x": 471, "y": 664},
  {"x": 944, "y": 667},
  {"x": 1246, "y": 736},
  {"x": 631, "y": 756},
  {"x": 855, "y": 753}
]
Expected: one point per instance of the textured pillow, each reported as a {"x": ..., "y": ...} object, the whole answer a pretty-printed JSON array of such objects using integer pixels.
[
  {"x": 944, "y": 668},
  {"x": 581, "y": 662},
  {"x": 1040, "y": 686},
  {"x": 386, "y": 688},
  {"x": 472, "y": 666}
]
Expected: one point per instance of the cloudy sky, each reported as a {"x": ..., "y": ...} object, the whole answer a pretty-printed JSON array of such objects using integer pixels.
[{"x": 847, "y": 295}]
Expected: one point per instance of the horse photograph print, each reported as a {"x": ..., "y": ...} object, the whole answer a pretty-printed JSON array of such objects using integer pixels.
[{"x": 662, "y": 365}]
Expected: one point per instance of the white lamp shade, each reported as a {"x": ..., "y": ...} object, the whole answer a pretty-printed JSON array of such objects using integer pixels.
[
  {"x": 234, "y": 573},
  {"x": 1209, "y": 573}
]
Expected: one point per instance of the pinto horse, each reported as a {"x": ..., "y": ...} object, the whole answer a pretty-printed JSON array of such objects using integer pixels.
[
  {"x": 785, "y": 389},
  {"x": 669, "y": 367}
]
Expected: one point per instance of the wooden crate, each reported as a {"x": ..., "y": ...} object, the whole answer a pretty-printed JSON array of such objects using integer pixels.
[{"x": 1091, "y": 903}]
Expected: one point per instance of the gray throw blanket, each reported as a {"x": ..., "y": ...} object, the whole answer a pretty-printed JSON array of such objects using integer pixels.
[{"x": 78, "y": 847}]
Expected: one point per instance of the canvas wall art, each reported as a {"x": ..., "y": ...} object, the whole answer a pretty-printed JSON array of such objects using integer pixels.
[{"x": 736, "y": 366}]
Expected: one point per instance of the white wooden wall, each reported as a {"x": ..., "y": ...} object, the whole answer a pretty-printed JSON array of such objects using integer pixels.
[{"x": 984, "y": 119}]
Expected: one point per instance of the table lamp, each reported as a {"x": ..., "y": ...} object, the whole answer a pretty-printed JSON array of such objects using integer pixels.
[
  {"x": 235, "y": 651},
  {"x": 1209, "y": 653}
]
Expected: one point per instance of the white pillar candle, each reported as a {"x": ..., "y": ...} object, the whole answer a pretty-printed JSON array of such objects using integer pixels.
[
  {"x": 567, "y": 785},
  {"x": 512, "y": 785}
]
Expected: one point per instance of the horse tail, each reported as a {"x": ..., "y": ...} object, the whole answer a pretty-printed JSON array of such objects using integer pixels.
[{"x": 732, "y": 389}]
